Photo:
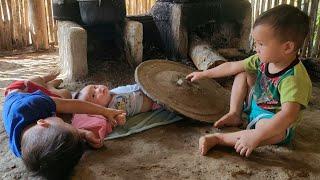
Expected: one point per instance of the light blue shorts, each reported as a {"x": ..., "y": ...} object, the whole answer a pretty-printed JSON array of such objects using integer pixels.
[{"x": 256, "y": 113}]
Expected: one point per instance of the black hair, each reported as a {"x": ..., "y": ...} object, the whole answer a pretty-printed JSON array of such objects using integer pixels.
[
  {"x": 53, "y": 153},
  {"x": 289, "y": 23}
]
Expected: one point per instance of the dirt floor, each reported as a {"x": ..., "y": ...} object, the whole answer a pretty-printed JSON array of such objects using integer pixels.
[{"x": 171, "y": 151}]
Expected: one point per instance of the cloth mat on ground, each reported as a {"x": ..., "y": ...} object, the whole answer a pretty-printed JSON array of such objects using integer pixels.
[{"x": 144, "y": 121}]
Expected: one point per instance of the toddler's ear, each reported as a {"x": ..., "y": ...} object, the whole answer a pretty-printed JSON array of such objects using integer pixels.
[
  {"x": 43, "y": 123},
  {"x": 289, "y": 47}
]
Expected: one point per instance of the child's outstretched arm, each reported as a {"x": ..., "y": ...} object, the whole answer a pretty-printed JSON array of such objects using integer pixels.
[
  {"x": 84, "y": 107},
  {"x": 264, "y": 133},
  {"x": 223, "y": 70}
]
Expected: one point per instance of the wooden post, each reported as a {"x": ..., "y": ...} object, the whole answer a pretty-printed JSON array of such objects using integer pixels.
[
  {"x": 38, "y": 25},
  {"x": 72, "y": 50},
  {"x": 133, "y": 36},
  {"x": 179, "y": 32},
  {"x": 202, "y": 55}
]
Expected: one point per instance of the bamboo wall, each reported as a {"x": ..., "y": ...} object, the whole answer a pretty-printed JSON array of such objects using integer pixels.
[
  {"x": 311, "y": 45},
  {"x": 17, "y": 33},
  {"x": 135, "y": 7},
  {"x": 15, "y": 28}
]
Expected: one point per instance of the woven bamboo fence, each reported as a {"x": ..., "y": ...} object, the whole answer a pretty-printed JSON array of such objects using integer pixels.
[
  {"x": 135, "y": 7},
  {"x": 311, "y": 7},
  {"x": 25, "y": 23}
]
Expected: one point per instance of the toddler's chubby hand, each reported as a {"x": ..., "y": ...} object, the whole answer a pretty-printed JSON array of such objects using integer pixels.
[
  {"x": 121, "y": 119},
  {"x": 195, "y": 76},
  {"x": 246, "y": 143},
  {"x": 111, "y": 114}
]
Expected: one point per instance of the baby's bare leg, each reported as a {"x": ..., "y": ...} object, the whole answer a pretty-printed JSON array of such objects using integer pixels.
[
  {"x": 147, "y": 104},
  {"x": 240, "y": 88}
]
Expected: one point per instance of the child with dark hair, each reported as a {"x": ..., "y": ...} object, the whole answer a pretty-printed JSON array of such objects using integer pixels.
[
  {"x": 47, "y": 145},
  {"x": 273, "y": 83}
]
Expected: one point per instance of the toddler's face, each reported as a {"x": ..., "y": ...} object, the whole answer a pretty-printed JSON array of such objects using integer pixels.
[
  {"x": 268, "y": 47},
  {"x": 98, "y": 94}
]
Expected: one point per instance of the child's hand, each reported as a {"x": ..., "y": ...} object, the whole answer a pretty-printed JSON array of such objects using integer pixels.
[
  {"x": 91, "y": 139},
  {"x": 195, "y": 76},
  {"x": 111, "y": 114},
  {"x": 121, "y": 119},
  {"x": 246, "y": 143}
]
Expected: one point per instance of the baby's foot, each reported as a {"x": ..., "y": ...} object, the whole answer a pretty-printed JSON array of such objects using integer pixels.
[
  {"x": 207, "y": 142},
  {"x": 230, "y": 119}
]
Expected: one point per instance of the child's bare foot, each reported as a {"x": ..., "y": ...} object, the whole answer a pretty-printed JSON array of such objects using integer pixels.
[
  {"x": 230, "y": 119},
  {"x": 207, "y": 142}
]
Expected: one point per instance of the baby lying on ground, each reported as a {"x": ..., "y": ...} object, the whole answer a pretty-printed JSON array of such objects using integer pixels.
[{"x": 128, "y": 98}]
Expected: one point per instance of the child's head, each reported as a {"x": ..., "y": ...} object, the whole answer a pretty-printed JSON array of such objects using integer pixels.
[
  {"x": 280, "y": 32},
  {"x": 51, "y": 148},
  {"x": 98, "y": 94}
]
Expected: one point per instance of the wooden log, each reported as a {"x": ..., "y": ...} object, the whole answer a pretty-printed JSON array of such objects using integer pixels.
[
  {"x": 72, "y": 50},
  {"x": 202, "y": 55},
  {"x": 133, "y": 36},
  {"x": 38, "y": 25}
]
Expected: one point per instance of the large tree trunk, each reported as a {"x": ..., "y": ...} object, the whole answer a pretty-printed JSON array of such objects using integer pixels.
[{"x": 38, "y": 24}]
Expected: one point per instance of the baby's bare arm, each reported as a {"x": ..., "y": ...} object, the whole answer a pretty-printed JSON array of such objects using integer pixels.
[{"x": 280, "y": 122}]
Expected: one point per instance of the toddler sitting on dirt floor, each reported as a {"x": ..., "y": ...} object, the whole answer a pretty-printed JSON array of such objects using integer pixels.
[
  {"x": 47, "y": 145},
  {"x": 128, "y": 98},
  {"x": 274, "y": 83}
]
